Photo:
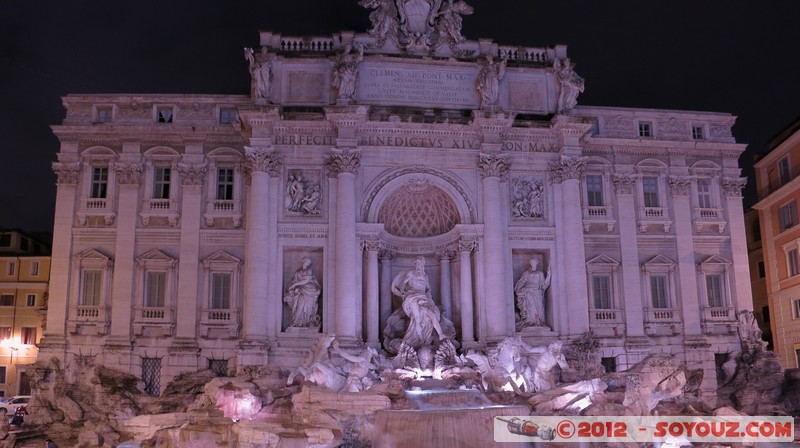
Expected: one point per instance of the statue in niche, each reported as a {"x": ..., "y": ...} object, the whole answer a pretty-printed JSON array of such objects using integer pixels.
[
  {"x": 530, "y": 290},
  {"x": 302, "y": 197},
  {"x": 260, "y": 72},
  {"x": 528, "y": 199},
  {"x": 489, "y": 81},
  {"x": 428, "y": 339},
  {"x": 346, "y": 71},
  {"x": 571, "y": 84},
  {"x": 302, "y": 296}
]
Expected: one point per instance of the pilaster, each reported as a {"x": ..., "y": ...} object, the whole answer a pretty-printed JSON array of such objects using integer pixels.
[
  {"x": 687, "y": 264},
  {"x": 732, "y": 188},
  {"x": 192, "y": 176},
  {"x": 631, "y": 289}
]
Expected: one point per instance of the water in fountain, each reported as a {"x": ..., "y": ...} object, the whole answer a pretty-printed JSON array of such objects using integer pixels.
[{"x": 443, "y": 418}]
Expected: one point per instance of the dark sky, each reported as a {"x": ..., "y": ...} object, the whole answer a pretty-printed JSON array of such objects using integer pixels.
[{"x": 736, "y": 56}]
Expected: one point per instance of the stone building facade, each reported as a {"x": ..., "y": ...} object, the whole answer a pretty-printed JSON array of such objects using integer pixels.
[{"x": 185, "y": 223}]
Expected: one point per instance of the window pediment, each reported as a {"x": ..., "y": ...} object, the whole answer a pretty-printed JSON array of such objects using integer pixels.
[
  {"x": 92, "y": 258},
  {"x": 155, "y": 258},
  {"x": 221, "y": 260},
  {"x": 659, "y": 263}
]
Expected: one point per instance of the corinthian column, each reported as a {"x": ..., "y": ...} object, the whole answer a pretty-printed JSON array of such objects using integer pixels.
[
  {"x": 192, "y": 177},
  {"x": 128, "y": 176},
  {"x": 53, "y": 342},
  {"x": 373, "y": 288},
  {"x": 344, "y": 164},
  {"x": 465, "y": 249},
  {"x": 260, "y": 165},
  {"x": 493, "y": 169},
  {"x": 444, "y": 282},
  {"x": 567, "y": 174}
]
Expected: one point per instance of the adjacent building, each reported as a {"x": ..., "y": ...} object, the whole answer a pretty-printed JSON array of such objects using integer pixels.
[
  {"x": 183, "y": 223},
  {"x": 778, "y": 183},
  {"x": 24, "y": 276}
]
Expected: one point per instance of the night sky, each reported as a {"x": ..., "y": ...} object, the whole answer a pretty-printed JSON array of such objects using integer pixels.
[{"x": 735, "y": 56}]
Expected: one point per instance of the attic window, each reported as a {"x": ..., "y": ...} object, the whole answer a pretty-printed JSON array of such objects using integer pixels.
[{"x": 164, "y": 114}]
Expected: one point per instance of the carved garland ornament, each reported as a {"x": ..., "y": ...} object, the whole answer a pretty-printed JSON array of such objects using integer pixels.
[
  {"x": 624, "y": 183},
  {"x": 192, "y": 173},
  {"x": 263, "y": 160},
  {"x": 679, "y": 185},
  {"x": 128, "y": 173}
]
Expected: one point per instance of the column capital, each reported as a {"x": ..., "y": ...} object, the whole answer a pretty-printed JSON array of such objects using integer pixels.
[
  {"x": 679, "y": 185},
  {"x": 445, "y": 255},
  {"x": 67, "y": 173},
  {"x": 568, "y": 168},
  {"x": 386, "y": 254},
  {"x": 493, "y": 165},
  {"x": 262, "y": 159},
  {"x": 467, "y": 245},
  {"x": 343, "y": 161},
  {"x": 128, "y": 173},
  {"x": 192, "y": 173},
  {"x": 733, "y": 186},
  {"x": 625, "y": 183}
]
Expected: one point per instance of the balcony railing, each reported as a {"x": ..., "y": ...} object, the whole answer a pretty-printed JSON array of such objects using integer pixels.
[
  {"x": 154, "y": 314},
  {"x": 94, "y": 203},
  {"x": 593, "y": 214},
  {"x": 216, "y": 316},
  {"x": 220, "y": 205},
  {"x": 654, "y": 212},
  {"x": 523, "y": 54},
  {"x": 223, "y": 208},
  {"x": 704, "y": 217},
  {"x": 159, "y": 204},
  {"x": 608, "y": 316},
  {"x": 719, "y": 314},
  {"x": 654, "y": 216},
  {"x": 657, "y": 315},
  {"x": 88, "y": 312}
]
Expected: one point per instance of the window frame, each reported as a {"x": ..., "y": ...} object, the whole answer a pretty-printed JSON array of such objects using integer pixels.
[
  {"x": 715, "y": 267},
  {"x": 787, "y": 215},
  {"x": 645, "y": 129},
  {"x": 221, "y": 263},
  {"x": 27, "y": 335},
  {"x": 228, "y": 115},
  {"x": 35, "y": 268},
  {"x": 164, "y": 113},
  {"x": 6, "y": 302},
  {"x": 90, "y": 260},
  {"x": 28, "y": 297},
  {"x": 224, "y": 208},
  {"x": 604, "y": 266},
  {"x": 103, "y": 113},
  {"x": 784, "y": 170},
  {"x": 154, "y": 262},
  {"x": 601, "y": 192},
  {"x": 698, "y": 132},
  {"x": 659, "y": 265}
]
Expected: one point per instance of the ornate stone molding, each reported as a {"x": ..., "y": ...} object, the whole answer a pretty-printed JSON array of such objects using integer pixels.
[
  {"x": 625, "y": 183},
  {"x": 262, "y": 159},
  {"x": 128, "y": 173},
  {"x": 386, "y": 255},
  {"x": 192, "y": 173},
  {"x": 493, "y": 165},
  {"x": 568, "y": 168},
  {"x": 445, "y": 254},
  {"x": 467, "y": 245},
  {"x": 67, "y": 173},
  {"x": 679, "y": 185},
  {"x": 344, "y": 161},
  {"x": 371, "y": 245},
  {"x": 733, "y": 186}
]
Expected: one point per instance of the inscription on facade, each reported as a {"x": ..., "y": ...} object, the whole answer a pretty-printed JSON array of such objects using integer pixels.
[
  {"x": 419, "y": 142},
  {"x": 397, "y": 85}
]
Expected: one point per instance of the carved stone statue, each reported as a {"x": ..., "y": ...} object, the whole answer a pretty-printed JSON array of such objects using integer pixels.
[
  {"x": 530, "y": 290},
  {"x": 427, "y": 342},
  {"x": 413, "y": 286},
  {"x": 384, "y": 18},
  {"x": 260, "y": 72},
  {"x": 346, "y": 71},
  {"x": 362, "y": 373},
  {"x": 318, "y": 368},
  {"x": 571, "y": 84},
  {"x": 489, "y": 81},
  {"x": 302, "y": 296},
  {"x": 449, "y": 27},
  {"x": 544, "y": 373}
]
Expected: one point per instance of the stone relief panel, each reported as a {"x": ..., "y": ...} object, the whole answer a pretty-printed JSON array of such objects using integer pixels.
[
  {"x": 303, "y": 193},
  {"x": 302, "y": 290},
  {"x": 527, "y": 198}
]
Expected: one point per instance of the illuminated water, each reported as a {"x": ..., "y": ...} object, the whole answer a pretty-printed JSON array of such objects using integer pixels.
[{"x": 452, "y": 418}]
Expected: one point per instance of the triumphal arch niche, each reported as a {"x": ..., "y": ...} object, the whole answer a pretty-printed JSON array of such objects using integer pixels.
[{"x": 405, "y": 169}]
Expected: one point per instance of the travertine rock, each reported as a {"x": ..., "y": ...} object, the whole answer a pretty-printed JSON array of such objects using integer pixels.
[{"x": 655, "y": 378}]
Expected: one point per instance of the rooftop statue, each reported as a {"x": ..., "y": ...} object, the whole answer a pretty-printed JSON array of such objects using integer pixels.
[{"x": 571, "y": 84}]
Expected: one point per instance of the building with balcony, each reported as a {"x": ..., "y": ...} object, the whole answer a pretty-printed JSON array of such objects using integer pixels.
[
  {"x": 778, "y": 183},
  {"x": 24, "y": 276},
  {"x": 182, "y": 221}
]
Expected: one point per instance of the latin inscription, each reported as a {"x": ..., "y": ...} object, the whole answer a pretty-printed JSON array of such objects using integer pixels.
[{"x": 430, "y": 86}]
